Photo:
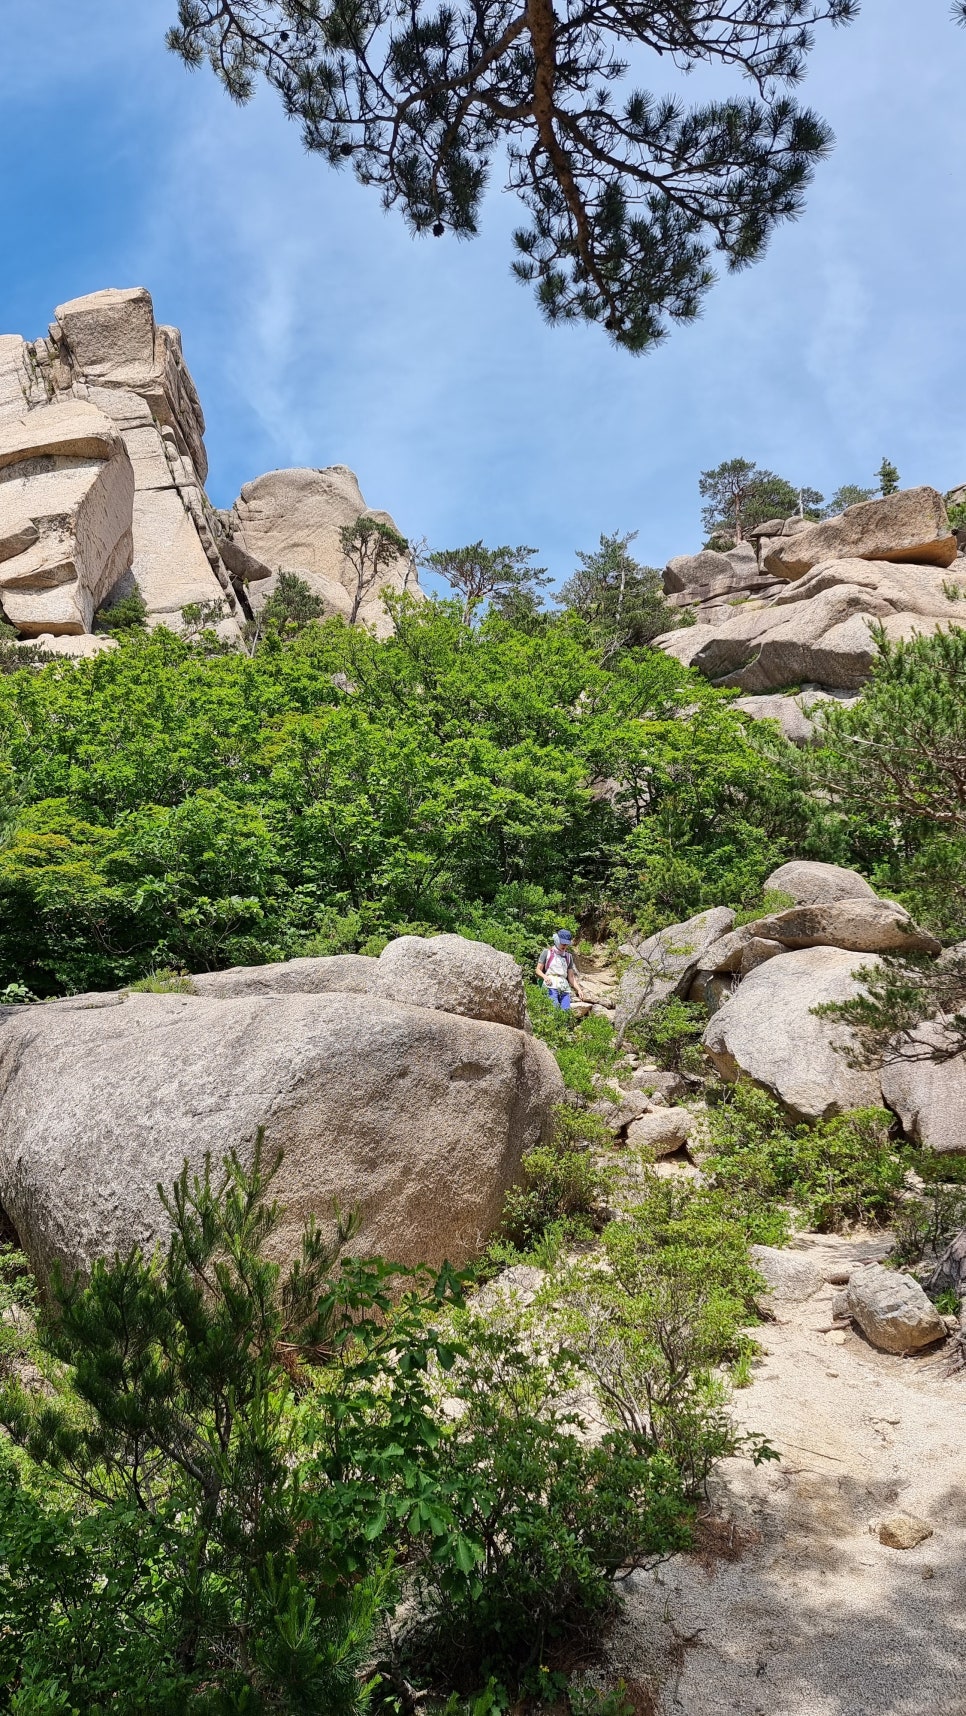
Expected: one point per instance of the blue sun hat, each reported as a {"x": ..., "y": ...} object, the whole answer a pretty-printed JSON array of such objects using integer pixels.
[{"x": 564, "y": 937}]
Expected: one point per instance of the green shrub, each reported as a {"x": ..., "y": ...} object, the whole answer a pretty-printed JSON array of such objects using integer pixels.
[
  {"x": 563, "y": 1185},
  {"x": 835, "y": 1172},
  {"x": 163, "y": 983},
  {"x": 670, "y": 1035},
  {"x": 124, "y": 616},
  {"x": 654, "y": 1321},
  {"x": 551, "y": 1519}
]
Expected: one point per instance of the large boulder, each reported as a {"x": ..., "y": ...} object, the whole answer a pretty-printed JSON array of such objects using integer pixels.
[
  {"x": 416, "y": 1117},
  {"x": 665, "y": 963},
  {"x": 767, "y": 1032},
  {"x": 892, "y": 1310},
  {"x": 909, "y": 526},
  {"x": 794, "y": 714},
  {"x": 290, "y": 522},
  {"x": 929, "y": 1095},
  {"x": 861, "y": 925},
  {"x": 819, "y": 630},
  {"x": 454, "y": 974},
  {"x": 66, "y": 513},
  {"x": 810, "y": 883}
]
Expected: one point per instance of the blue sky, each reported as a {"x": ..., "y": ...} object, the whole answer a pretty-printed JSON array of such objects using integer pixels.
[{"x": 319, "y": 332}]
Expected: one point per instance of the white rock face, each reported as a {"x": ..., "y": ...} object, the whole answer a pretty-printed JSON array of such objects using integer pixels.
[
  {"x": 290, "y": 521},
  {"x": 767, "y": 1032},
  {"x": 94, "y": 506},
  {"x": 929, "y": 1096},
  {"x": 892, "y": 1310},
  {"x": 66, "y": 497},
  {"x": 860, "y": 925},
  {"x": 663, "y": 1133},
  {"x": 665, "y": 963},
  {"x": 416, "y": 1116}
]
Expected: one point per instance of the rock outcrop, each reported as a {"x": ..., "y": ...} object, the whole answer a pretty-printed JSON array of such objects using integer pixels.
[
  {"x": 929, "y": 1095},
  {"x": 102, "y": 474},
  {"x": 289, "y": 521},
  {"x": 767, "y": 1032},
  {"x": 414, "y": 1114},
  {"x": 665, "y": 963},
  {"x": 909, "y": 526},
  {"x": 797, "y": 607}
]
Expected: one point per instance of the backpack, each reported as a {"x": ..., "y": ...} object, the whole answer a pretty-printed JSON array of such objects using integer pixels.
[{"x": 548, "y": 956}]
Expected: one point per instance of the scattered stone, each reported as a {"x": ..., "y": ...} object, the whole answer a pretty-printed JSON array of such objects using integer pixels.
[
  {"x": 664, "y": 1132},
  {"x": 892, "y": 1310},
  {"x": 790, "y": 1277},
  {"x": 835, "y": 1338},
  {"x": 904, "y": 1531}
]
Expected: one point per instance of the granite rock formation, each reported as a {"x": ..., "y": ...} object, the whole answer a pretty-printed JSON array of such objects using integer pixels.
[{"x": 102, "y": 474}]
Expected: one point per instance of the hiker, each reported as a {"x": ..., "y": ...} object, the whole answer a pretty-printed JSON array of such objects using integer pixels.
[{"x": 557, "y": 971}]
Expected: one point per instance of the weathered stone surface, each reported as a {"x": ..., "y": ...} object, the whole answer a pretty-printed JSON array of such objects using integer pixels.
[
  {"x": 418, "y": 1118},
  {"x": 892, "y": 1310},
  {"x": 665, "y": 963},
  {"x": 795, "y": 715},
  {"x": 928, "y": 1095},
  {"x": 861, "y": 925},
  {"x": 741, "y": 950},
  {"x": 818, "y": 630},
  {"x": 66, "y": 499},
  {"x": 663, "y": 1132},
  {"x": 290, "y": 521},
  {"x": 112, "y": 340},
  {"x": 790, "y": 1278},
  {"x": 687, "y": 570},
  {"x": 909, "y": 526},
  {"x": 107, "y": 357},
  {"x": 454, "y": 974},
  {"x": 343, "y": 973},
  {"x": 810, "y": 883},
  {"x": 904, "y": 1531},
  {"x": 768, "y": 1032}
]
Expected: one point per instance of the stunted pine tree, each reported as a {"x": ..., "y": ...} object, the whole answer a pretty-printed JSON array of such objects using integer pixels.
[
  {"x": 737, "y": 496},
  {"x": 502, "y": 575},
  {"x": 370, "y": 548},
  {"x": 621, "y": 600},
  {"x": 627, "y": 192}
]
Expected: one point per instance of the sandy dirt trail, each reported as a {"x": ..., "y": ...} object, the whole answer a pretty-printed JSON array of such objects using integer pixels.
[{"x": 816, "y": 1617}]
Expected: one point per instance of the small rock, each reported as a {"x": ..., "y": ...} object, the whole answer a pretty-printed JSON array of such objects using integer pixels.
[
  {"x": 840, "y": 1306},
  {"x": 892, "y": 1310},
  {"x": 929, "y": 1572},
  {"x": 664, "y": 1131},
  {"x": 839, "y": 1275},
  {"x": 903, "y": 1531},
  {"x": 791, "y": 1278},
  {"x": 836, "y": 1338}
]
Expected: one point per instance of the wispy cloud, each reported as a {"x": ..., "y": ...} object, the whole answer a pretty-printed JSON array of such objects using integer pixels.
[{"x": 320, "y": 332}]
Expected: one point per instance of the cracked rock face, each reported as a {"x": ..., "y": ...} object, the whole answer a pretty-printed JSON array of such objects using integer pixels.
[{"x": 102, "y": 473}]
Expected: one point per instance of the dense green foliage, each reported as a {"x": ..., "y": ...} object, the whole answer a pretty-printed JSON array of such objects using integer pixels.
[
  {"x": 835, "y": 1172},
  {"x": 896, "y": 761},
  {"x": 621, "y": 601},
  {"x": 234, "y": 1471},
  {"x": 176, "y": 805}
]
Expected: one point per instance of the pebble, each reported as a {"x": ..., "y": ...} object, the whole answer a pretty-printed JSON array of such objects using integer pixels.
[{"x": 835, "y": 1338}]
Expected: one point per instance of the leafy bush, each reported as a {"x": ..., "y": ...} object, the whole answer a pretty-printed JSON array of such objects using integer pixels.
[
  {"x": 670, "y": 1035},
  {"x": 563, "y": 1185},
  {"x": 182, "y": 1534},
  {"x": 838, "y": 1171},
  {"x": 553, "y": 1518},
  {"x": 656, "y": 1319}
]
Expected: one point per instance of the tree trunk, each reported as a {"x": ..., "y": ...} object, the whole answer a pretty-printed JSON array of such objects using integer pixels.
[{"x": 950, "y": 1272}]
